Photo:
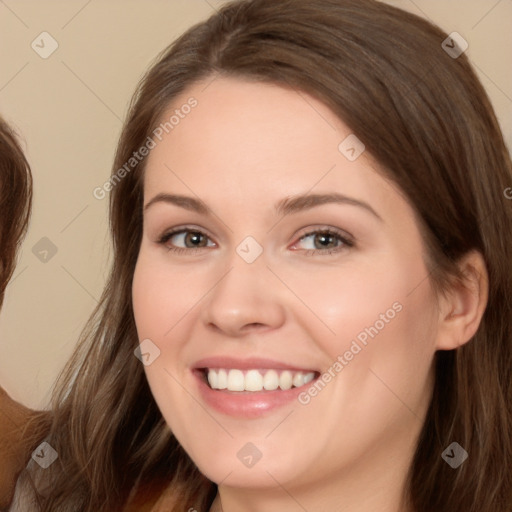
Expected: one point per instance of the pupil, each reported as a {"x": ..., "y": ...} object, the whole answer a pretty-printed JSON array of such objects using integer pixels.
[
  {"x": 194, "y": 237},
  {"x": 324, "y": 239}
]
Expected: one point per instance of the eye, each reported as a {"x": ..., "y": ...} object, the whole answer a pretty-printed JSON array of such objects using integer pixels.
[
  {"x": 192, "y": 239},
  {"x": 325, "y": 242}
]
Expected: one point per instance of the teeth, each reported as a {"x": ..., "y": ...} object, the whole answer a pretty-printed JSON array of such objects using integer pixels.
[
  {"x": 253, "y": 381},
  {"x": 256, "y": 380},
  {"x": 236, "y": 380},
  {"x": 286, "y": 379},
  {"x": 271, "y": 380},
  {"x": 298, "y": 379},
  {"x": 213, "y": 380},
  {"x": 308, "y": 377},
  {"x": 222, "y": 379}
]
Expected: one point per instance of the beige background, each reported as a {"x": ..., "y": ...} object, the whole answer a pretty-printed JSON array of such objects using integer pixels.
[{"x": 69, "y": 109}]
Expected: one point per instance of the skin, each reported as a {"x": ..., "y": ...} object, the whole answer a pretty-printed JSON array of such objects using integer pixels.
[{"x": 243, "y": 148}]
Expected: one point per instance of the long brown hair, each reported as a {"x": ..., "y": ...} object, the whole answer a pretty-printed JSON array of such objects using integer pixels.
[
  {"x": 15, "y": 201},
  {"x": 427, "y": 120}
]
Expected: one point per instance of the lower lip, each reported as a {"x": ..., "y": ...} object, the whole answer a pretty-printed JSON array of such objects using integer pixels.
[{"x": 246, "y": 404}]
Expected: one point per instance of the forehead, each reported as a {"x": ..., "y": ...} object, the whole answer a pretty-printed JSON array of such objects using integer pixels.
[{"x": 256, "y": 142}]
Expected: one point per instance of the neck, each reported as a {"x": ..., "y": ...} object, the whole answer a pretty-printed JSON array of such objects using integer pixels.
[{"x": 375, "y": 481}]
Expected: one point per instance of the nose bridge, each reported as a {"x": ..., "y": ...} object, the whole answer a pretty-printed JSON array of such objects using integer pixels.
[
  {"x": 247, "y": 294},
  {"x": 247, "y": 270}
]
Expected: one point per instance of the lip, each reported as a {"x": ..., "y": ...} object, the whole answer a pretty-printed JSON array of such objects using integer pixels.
[
  {"x": 248, "y": 364},
  {"x": 246, "y": 404}
]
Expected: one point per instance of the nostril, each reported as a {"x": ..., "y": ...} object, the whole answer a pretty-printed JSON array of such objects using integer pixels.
[{"x": 254, "y": 326}]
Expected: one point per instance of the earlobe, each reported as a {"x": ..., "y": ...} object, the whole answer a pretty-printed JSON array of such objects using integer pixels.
[{"x": 461, "y": 311}]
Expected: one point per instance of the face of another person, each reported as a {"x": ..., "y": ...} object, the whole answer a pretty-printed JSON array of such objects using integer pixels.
[{"x": 250, "y": 297}]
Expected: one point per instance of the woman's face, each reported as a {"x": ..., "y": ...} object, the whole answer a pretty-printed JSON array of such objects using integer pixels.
[{"x": 275, "y": 282}]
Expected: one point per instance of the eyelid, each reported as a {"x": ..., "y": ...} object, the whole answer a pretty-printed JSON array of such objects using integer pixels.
[
  {"x": 326, "y": 229},
  {"x": 162, "y": 239}
]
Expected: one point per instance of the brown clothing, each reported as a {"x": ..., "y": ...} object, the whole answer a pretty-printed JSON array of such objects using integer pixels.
[
  {"x": 15, "y": 453},
  {"x": 14, "y": 450}
]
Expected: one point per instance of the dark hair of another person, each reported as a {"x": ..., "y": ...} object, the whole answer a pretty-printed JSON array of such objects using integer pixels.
[{"x": 15, "y": 201}]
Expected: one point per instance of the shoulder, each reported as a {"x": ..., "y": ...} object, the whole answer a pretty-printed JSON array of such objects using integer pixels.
[{"x": 15, "y": 444}]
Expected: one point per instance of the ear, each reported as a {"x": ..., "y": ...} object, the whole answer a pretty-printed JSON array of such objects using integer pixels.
[{"x": 461, "y": 311}]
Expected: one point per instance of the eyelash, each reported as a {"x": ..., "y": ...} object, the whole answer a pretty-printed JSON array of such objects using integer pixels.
[{"x": 347, "y": 242}]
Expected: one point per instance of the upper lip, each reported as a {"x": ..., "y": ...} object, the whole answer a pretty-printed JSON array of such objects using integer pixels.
[{"x": 247, "y": 364}]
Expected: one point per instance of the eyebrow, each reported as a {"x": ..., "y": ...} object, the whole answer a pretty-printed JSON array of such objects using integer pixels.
[
  {"x": 304, "y": 202},
  {"x": 283, "y": 207},
  {"x": 189, "y": 203}
]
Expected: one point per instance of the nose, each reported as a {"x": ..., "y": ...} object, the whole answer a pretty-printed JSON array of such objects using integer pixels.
[{"x": 247, "y": 298}]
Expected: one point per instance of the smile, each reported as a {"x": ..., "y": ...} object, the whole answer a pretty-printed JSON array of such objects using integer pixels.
[
  {"x": 250, "y": 387},
  {"x": 256, "y": 379}
]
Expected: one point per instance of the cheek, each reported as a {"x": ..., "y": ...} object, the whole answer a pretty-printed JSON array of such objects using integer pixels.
[
  {"x": 356, "y": 300},
  {"x": 165, "y": 300},
  {"x": 390, "y": 343},
  {"x": 161, "y": 297},
  {"x": 378, "y": 323},
  {"x": 159, "y": 302}
]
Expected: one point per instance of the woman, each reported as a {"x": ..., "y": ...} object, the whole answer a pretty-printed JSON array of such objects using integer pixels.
[
  {"x": 15, "y": 208},
  {"x": 311, "y": 260}
]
